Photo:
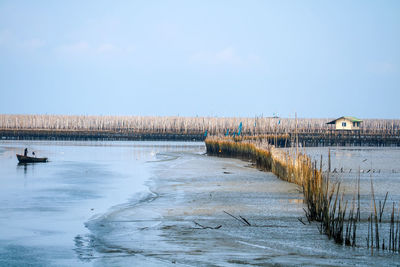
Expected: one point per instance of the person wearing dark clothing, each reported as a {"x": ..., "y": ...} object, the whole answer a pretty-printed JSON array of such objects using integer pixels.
[
  {"x": 26, "y": 152},
  {"x": 33, "y": 154}
]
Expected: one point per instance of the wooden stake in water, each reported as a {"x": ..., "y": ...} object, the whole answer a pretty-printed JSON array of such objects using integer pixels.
[{"x": 297, "y": 137}]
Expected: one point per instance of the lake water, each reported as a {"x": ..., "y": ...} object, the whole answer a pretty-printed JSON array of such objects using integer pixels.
[
  {"x": 157, "y": 204},
  {"x": 43, "y": 207}
]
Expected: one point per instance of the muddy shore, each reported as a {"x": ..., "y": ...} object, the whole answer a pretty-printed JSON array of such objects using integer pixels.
[{"x": 184, "y": 221}]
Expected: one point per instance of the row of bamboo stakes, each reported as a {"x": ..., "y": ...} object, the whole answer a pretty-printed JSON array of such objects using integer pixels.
[
  {"x": 176, "y": 124},
  {"x": 324, "y": 200}
]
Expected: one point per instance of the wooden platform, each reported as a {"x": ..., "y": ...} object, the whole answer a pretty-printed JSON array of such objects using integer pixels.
[
  {"x": 97, "y": 135},
  {"x": 347, "y": 138},
  {"x": 308, "y": 139}
]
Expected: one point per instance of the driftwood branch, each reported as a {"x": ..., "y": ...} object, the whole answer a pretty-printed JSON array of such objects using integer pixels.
[
  {"x": 207, "y": 227},
  {"x": 301, "y": 220},
  {"x": 246, "y": 221},
  {"x": 242, "y": 220}
]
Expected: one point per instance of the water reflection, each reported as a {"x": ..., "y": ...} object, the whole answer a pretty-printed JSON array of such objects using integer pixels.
[
  {"x": 24, "y": 166},
  {"x": 296, "y": 201}
]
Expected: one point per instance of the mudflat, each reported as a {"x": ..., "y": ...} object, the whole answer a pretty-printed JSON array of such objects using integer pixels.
[{"x": 206, "y": 211}]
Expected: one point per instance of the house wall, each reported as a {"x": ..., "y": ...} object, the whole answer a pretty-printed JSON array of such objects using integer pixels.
[{"x": 349, "y": 125}]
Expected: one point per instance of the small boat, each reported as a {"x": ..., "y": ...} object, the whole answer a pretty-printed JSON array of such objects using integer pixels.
[{"x": 27, "y": 159}]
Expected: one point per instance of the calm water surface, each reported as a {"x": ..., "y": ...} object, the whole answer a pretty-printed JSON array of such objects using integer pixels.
[{"x": 43, "y": 207}]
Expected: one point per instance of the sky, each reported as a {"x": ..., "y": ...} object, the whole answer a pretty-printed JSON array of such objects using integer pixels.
[{"x": 318, "y": 58}]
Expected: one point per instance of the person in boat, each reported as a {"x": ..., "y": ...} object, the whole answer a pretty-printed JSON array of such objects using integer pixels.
[{"x": 26, "y": 152}]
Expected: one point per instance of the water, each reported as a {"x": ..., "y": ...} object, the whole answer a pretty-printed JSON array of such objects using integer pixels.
[
  {"x": 379, "y": 164},
  {"x": 43, "y": 207},
  {"x": 136, "y": 204}
]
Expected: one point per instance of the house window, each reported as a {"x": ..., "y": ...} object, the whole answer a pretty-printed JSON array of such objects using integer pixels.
[
  {"x": 343, "y": 124},
  {"x": 358, "y": 124},
  {"x": 354, "y": 124}
]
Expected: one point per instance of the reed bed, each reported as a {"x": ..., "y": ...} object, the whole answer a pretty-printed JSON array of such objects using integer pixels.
[
  {"x": 191, "y": 125},
  {"x": 262, "y": 153},
  {"x": 325, "y": 202},
  {"x": 376, "y": 236}
]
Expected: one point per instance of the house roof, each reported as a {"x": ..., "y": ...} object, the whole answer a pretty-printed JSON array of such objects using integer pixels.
[{"x": 352, "y": 119}]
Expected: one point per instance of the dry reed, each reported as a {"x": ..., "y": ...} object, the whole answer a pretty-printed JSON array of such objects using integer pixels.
[
  {"x": 298, "y": 169},
  {"x": 325, "y": 203}
]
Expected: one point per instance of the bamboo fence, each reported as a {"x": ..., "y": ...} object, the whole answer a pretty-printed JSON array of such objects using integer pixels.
[{"x": 184, "y": 125}]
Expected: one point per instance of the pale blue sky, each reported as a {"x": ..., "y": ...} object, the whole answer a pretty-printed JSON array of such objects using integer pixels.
[{"x": 224, "y": 58}]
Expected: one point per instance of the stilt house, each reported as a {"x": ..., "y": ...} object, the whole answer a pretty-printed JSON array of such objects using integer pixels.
[{"x": 346, "y": 123}]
